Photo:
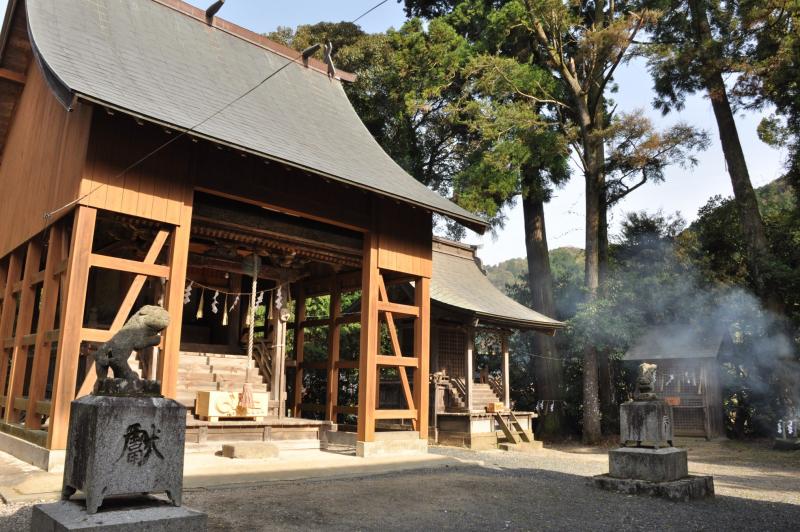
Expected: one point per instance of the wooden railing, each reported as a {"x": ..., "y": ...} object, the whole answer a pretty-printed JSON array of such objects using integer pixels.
[
  {"x": 496, "y": 384},
  {"x": 263, "y": 357}
]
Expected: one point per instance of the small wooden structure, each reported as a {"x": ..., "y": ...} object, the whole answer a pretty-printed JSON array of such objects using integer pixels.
[
  {"x": 144, "y": 147},
  {"x": 468, "y": 312},
  {"x": 688, "y": 374}
]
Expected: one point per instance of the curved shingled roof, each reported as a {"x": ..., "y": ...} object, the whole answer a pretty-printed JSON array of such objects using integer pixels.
[
  {"x": 161, "y": 63},
  {"x": 677, "y": 341},
  {"x": 458, "y": 282}
]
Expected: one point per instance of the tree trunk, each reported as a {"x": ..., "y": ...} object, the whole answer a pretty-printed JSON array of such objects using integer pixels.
[
  {"x": 547, "y": 371},
  {"x": 755, "y": 237},
  {"x": 594, "y": 188}
]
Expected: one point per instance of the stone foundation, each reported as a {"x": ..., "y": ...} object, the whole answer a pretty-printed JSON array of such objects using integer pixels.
[
  {"x": 685, "y": 489},
  {"x": 653, "y": 465},
  {"x": 130, "y": 515},
  {"x": 392, "y": 443}
]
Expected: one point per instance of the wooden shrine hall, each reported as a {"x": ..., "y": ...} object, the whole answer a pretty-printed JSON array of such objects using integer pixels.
[
  {"x": 136, "y": 171},
  {"x": 471, "y": 321}
]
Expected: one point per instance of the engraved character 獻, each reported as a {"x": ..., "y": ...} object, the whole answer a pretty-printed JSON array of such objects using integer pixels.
[{"x": 139, "y": 445}]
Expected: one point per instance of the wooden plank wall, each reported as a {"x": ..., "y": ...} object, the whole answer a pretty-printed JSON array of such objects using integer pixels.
[
  {"x": 156, "y": 189},
  {"x": 404, "y": 239},
  {"x": 42, "y": 161}
]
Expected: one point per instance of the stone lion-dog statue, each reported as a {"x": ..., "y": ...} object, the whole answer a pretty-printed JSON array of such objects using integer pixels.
[{"x": 140, "y": 332}]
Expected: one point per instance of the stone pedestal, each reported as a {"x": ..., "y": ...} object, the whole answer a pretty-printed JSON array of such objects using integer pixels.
[
  {"x": 124, "y": 515},
  {"x": 647, "y": 422},
  {"x": 659, "y": 472},
  {"x": 654, "y": 465},
  {"x": 124, "y": 445}
]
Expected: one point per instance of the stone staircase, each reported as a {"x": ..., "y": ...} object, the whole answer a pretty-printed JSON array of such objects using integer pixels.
[
  {"x": 201, "y": 371},
  {"x": 482, "y": 395}
]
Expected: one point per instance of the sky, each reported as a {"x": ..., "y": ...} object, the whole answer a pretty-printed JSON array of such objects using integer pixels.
[{"x": 684, "y": 190}]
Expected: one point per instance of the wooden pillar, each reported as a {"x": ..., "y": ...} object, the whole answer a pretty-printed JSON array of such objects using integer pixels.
[
  {"x": 13, "y": 271},
  {"x": 69, "y": 338},
  {"x": 334, "y": 336},
  {"x": 169, "y": 358},
  {"x": 47, "y": 314},
  {"x": 422, "y": 329},
  {"x": 235, "y": 318},
  {"x": 19, "y": 355},
  {"x": 299, "y": 348},
  {"x": 368, "y": 354},
  {"x": 468, "y": 381},
  {"x": 506, "y": 376}
]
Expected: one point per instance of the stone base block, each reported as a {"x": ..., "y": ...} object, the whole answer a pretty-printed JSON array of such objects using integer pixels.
[
  {"x": 524, "y": 447},
  {"x": 250, "y": 450},
  {"x": 645, "y": 421},
  {"x": 124, "y": 445},
  {"x": 124, "y": 515},
  {"x": 685, "y": 489},
  {"x": 787, "y": 444},
  {"x": 653, "y": 465},
  {"x": 392, "y": 447}
]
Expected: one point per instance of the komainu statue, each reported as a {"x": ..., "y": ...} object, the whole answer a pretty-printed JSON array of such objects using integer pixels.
[
  {"x": 140, "y": 332},
  {"x": 645, "y": 383}
]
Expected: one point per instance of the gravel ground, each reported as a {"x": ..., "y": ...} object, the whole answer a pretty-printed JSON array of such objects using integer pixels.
[{"x": 499, "y": 491}]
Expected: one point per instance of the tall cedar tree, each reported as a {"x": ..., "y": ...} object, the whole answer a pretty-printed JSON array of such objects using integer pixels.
[{"x": 695, "y": 44}]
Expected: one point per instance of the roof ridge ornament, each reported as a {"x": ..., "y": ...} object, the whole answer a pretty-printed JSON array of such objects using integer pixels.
[
  {"x": 329, "y": 60},
  {"x": 213, "y": 9}
]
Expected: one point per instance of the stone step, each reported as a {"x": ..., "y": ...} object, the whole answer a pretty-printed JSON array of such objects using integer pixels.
[{"x": 227, "y": 360}]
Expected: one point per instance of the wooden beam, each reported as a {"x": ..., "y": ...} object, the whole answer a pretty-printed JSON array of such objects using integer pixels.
[
  {"x": 398, "y": 354},
  {"x": 396, "y": 414},
  {"x": 19, "y": 360},
  {"x": 13, "y": 270},
  {"x": 299, "y": 347},
  {"x": 422, "y": 344},
  {"x": 138, "y": 282},
  {"x": 47, "y": 315},
  {"x": 370, "y": 331},
  {"x": 130, "y": 266},
  {"x": 406, "y": 311},
  {"x": 10, "y": 75},
  {"x": 347, "y": 410},
  {"x": 334, "y": 337},
  {"x": 347, "y": 364},
  {"x": 169, "y": 357},
  {"x": 470, "y": 354},
  {"x": 506, "y": 373},
  {"x": 99, "y": 336},
  {"x": 401, "y": 362},
  {"x": 69, "y": 341}
]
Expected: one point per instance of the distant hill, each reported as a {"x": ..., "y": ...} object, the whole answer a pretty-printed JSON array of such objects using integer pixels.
[{"x": 561, "y": 260}]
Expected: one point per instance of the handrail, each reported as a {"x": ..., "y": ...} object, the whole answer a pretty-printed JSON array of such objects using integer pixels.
[
  {"x": 496, "y": 385},
  {"x": 263, "y": 359}
]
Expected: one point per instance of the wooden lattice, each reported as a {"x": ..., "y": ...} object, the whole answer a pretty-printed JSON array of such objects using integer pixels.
[{"x": 452, "y": 352}]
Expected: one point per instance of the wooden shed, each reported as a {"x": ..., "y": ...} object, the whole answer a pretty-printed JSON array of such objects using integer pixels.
[
  {"x": 472, "y": 320},
  {"x": 688, "y": 374},
  {"x": 148, "y": 155}
]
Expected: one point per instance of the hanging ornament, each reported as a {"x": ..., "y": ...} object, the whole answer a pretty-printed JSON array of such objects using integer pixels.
[
  {"x": 780, "y": 428},
  {"x": 235, "y": 302},
  {"x": 187, "y": 294},
  {"x": 225, "y": 312},
  {"x": 214, "y": 303},
  {"x": 260, "y": 299},
  {"x": 552, "y": 405},
  {"x": 247, "y": 316},
  {"x": 279, "y": 298},
  {"x": 790, "y": 427},
  {"x": 201, "y": 304}
]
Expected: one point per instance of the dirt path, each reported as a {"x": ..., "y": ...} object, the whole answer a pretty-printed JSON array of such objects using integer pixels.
[{"x": 757, "y": 489}]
